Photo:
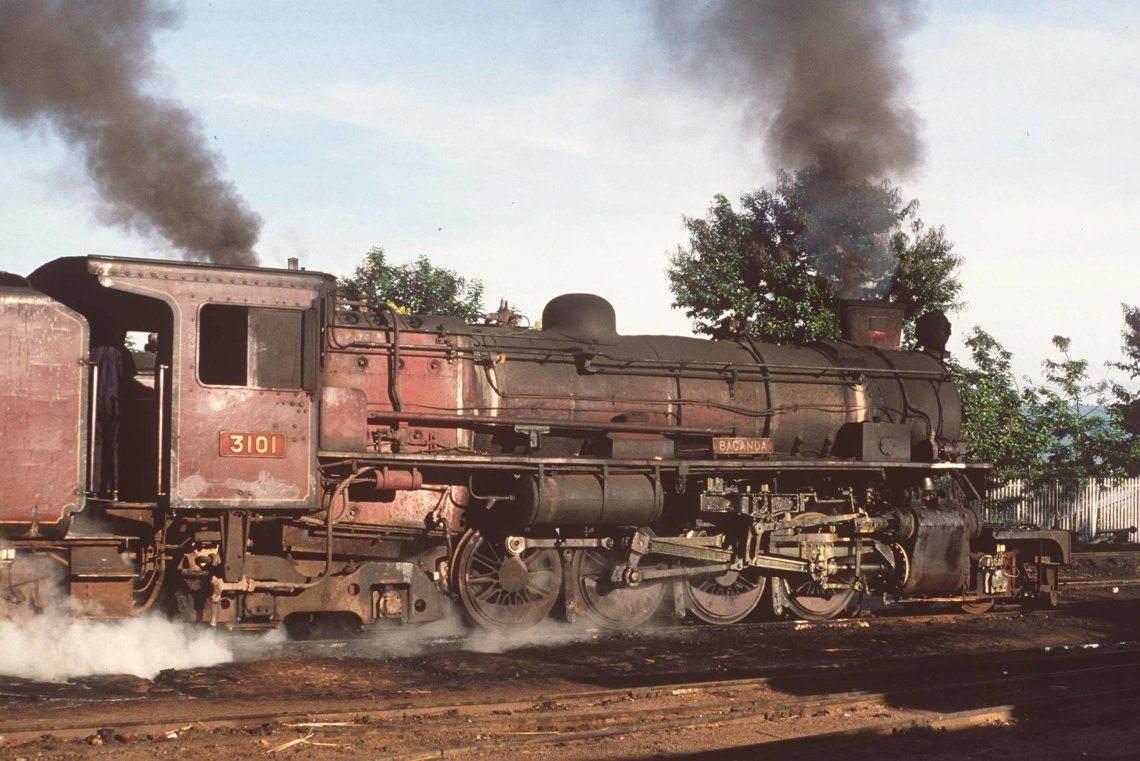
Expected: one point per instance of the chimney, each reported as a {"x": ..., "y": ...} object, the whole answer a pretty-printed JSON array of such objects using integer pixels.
[
  {"x": 294, "y": 263},
  {"x": 873, "y": 323}
]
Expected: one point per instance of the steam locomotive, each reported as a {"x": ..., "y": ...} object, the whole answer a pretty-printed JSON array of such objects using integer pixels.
[{"x": 282, "y": 455}]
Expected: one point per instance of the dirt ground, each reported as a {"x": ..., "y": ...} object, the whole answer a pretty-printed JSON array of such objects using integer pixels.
[{"x": 399, "y": 672}]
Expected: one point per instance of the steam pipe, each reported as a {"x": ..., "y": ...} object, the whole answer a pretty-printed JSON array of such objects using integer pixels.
[
  {"x": 394, "y": 372},
  {"x": 571, "y": 425}
]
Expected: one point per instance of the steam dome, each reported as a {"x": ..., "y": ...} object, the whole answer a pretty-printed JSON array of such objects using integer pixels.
[{"x": 586, "y": 317}]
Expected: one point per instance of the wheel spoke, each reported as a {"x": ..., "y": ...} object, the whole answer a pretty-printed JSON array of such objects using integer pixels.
[
  {"x": 485, "y": 578},
  {"x": 537, "y": 588}
]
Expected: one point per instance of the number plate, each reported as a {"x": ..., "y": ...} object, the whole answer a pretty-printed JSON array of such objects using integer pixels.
[
  {"x": 240, "y": 444},
  {"x": 741, "y": 446}
]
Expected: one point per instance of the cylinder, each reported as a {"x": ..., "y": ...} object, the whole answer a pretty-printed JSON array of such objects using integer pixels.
[
  {"x": 587, "y": 500},
  {"x": 939, "y": 549}
]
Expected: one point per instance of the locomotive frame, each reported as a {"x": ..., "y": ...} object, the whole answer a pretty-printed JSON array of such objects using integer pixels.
[{"x": 296, "y": 455}]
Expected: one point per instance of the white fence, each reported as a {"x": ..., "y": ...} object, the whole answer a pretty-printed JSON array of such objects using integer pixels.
[{"x": 1087, "y": 509}]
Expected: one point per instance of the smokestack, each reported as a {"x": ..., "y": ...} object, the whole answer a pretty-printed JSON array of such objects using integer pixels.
[
  {"x": 871, "y": 323},
  {"x": 80, "y": 67}
]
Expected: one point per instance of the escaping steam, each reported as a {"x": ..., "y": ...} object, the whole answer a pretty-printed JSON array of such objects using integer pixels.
[
  {"x": 46, "y": 636},
  {"x": 55, "y": 646},
  {"x": 80, "y": 67},
  {"x": 452, "y": 632},
  {"x": 823, "y": 86}
]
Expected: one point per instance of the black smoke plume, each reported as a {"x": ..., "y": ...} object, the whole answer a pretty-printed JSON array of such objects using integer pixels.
[
  {"x": 823, "y": 87},
  {"x": 80, "y": 66}
]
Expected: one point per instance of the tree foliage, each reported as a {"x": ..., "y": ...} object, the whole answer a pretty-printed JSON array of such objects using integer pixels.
[
  {"x": 418, "y": 287},
  {"x": 1131, "y": 347},
  {"x": 774, "y": 269},
  {"x": 995, "y": 425},
  {"x": 1069, "y": 411},
  {"x": 1125, "y": 410},
  {"x": 745, "y": 273},
  {"x": 1060, "y": 429}
]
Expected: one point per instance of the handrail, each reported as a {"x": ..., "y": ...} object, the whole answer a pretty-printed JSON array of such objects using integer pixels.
[
  {"x": 94, "y": 423},
  {"x": 160, "y": 384}
]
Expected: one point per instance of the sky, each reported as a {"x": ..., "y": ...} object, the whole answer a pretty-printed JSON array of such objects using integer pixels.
[{"x": 550, "y": 147}]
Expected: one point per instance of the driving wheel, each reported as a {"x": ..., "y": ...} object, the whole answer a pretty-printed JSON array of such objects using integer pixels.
[{"x": 504, "y": 591}]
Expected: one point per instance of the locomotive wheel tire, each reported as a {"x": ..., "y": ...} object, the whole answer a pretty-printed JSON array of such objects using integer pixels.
[
  {"x": 977, "y": 607},
  {"x": 724, "y": 599},
  {"x": 611, "y": 608},
  {"x": 501, "y": 591},
  {"x": 815, "y": 607}
]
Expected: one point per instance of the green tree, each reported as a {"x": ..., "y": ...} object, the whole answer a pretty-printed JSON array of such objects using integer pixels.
[
  {"x": 1061, "y": 429},
  {"x": 1124, "y": 412},
  {"x": 774, "y": 269},
  {"x": 925, "y": 278},
  {"x": 1080, "y": 438},
  {"x": 745, "y": 273},
  {"x": 418, "y": 287},
  {"x": 1131, "y": 347},
  {"x": 996, "y": 426}
]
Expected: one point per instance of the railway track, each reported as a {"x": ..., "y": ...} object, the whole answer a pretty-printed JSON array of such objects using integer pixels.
[
  {"x": 780, "y": 705},
  {"x": 776, "y": 706},
  {"x": 254, "y": 648},
  {"x": 1095, "y": 583},
  {"x": 1107, "y": 551},
  {"x": 1120, "y": 558},
  {"x": 1111, "y": 550}
]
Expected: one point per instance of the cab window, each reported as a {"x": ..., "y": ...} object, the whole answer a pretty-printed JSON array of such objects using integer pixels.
[{"x": 250, "y": 346}]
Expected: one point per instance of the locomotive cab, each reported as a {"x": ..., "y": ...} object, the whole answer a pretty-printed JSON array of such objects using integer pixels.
[
  {"x": 235, "y": 368},
  {"x": 215, "y": 414}
]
